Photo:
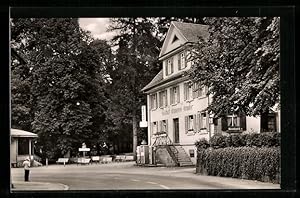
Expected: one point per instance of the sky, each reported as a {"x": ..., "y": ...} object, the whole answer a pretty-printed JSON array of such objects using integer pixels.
[{"x": 97, "y": 27}]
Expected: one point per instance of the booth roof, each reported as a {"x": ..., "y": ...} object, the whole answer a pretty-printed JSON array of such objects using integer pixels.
[{"x": 22, "y": 133}]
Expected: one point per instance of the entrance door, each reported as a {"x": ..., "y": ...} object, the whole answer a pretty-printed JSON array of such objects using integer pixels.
[{"x": 176, "y": 130}]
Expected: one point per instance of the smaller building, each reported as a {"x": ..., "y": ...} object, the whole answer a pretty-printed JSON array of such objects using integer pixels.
[{"x": 21, "y": 146}]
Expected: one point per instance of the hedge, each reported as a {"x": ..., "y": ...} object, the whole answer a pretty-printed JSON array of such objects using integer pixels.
[
  {"x": 261, "y": 164},
  {"x": 240, "y": 140}
]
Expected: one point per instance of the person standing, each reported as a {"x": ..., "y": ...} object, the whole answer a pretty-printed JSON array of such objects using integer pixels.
[{"x": 26, "y": 165}]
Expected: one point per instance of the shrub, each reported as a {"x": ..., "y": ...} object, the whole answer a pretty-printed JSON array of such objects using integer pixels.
[
  {"x": 218, "y": 141},
  {"x": 243, "y": 162},
  {"x": 239, "y": 140},
  {"x": 202, "y": 144}
]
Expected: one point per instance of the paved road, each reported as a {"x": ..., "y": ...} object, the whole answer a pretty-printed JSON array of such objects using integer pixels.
[{"x": 120, "y": 176}]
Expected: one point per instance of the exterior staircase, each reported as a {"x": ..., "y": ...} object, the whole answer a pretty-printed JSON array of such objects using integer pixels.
[
  {"x": 177, "y": 153},
  {"x": 181, "y": 156}
]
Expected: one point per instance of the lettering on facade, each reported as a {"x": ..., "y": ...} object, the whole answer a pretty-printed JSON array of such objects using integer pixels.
[
  {"x": 166, "y": 112},
  {"x": 187, "y": 108},
  {"x": 177, "y": 110}
]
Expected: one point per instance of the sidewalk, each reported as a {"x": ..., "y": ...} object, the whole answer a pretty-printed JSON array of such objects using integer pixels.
[{"x": 21, "y": 185}]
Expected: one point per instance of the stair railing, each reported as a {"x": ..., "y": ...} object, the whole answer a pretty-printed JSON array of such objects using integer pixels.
[{"x": 162, "y": 139}]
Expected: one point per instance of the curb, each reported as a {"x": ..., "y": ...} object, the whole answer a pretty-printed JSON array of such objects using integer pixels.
[{"x": 63, "y": 186}]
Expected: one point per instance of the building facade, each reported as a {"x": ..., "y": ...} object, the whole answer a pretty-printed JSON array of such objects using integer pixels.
[
  {"x": 176, "y": 107},
  {"x": 21, "y": 146}
]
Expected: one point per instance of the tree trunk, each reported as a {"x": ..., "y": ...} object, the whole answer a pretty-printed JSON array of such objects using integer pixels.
[{"x": 134, "y": 134}]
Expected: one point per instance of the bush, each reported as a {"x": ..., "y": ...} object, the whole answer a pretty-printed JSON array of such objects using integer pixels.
[
  {"x": 218, "y": 141},
  {"x": 243, "y": 162},
  {"x": 239, "y": 140},
  {"x": 202, "y": 144}
]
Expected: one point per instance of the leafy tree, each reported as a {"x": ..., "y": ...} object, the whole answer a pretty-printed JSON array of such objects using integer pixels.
[
  {"x": 239, "y": 63},
  {"x": 66, "y": 79},
  {"x": 135, "y": 65}
]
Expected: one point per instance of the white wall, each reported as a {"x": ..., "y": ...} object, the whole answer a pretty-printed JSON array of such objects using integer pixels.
[{"x": 253, "y": 124}]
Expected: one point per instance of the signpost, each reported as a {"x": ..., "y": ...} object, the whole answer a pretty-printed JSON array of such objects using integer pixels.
[
  {"x": 143, "y": 123},
  {"x": 84, "y": 149}
]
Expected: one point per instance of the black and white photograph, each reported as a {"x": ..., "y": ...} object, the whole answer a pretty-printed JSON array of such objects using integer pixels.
[{"x": 145, "y": 103}]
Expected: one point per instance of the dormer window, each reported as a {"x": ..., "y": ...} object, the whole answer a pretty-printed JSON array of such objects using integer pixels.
[{"x": 169, "y": 66}]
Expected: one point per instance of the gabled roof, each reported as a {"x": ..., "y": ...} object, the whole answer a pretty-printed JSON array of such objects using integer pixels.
[
  {"x": 158, "y": 80},
  {"x": 154, "y": 81},
  {"x": 22, "y": 133},
  {"x": 188, "y": 32},
  {"x": 192, "y": 31}
]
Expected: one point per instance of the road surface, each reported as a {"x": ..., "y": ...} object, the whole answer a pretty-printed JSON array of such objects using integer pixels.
[{"x": 128, "y": 176}]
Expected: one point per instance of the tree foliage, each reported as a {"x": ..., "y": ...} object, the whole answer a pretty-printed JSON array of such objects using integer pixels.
[
  {"x": 239, "y": 63},
  {"x": 64, "y": 82},
  {"x": 135, "y": 65}
]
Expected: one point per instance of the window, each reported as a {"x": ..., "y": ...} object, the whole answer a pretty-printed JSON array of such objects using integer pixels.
[
  {"x": 169, "y": 66},
  {"x": 203, "y": 120},
  {"x": 154, "y": 127},
  {"x": 163, "y": 100},
  {"x": 268, "y": 122},
  {"x": 175, "y": 38},
  {"x": 164, "y": 126},
  {"x": 174, "y": 95},
  {"x": 188, "y": 91},
  {"x": 233, "y": 121},
  {"x": 181, "y": 61},
  {"x": 199, "y": 90},
  {"x": 190, "y": 123},
  {"x": 23, "y": 146},
  {"x": 192, "y": 153},
  {"x": 153, "y": 101}
]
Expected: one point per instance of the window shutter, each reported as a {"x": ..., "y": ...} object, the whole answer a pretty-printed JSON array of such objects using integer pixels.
[
  {"x": 185, "y": 91},
  {"x": 185, "y": 59},
  {"x": 166, "y": 98},
  {"x": 166, "y": 66},
  {"x": 171, "y": 95},
  {"x": 207, "y": 121},
  {"x": 186, "y": 118},
  {"x": 151, "y": 102},
  {"x": 178, "y": 94},
  {"x": 167, "y": 127},
  {"x": 160, "y": 128},
  {"x": 198, "y": 122},
  {"x": 172, "y": 69},
  {"x": 156, "y": 101},
  {"x": 151, "y": 131},
  {"x": 243, "y": 121},
  {"x": 179, "y": 61},
  {"x": 224, "y": 123},
  {"x": 201, "y": 120},
  {"x": 195, "y": 123},
  {"x": 193, "y": 91}
]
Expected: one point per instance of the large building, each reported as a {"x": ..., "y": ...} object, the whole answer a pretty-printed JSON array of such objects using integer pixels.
[{"x": 176, "y": 106}]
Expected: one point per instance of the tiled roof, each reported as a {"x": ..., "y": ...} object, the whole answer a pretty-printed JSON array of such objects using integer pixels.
[
  {"x": 154, "y": 81},
  {"x": 158, "y": 80},
  {"x": 21, "y": 133},
  {"x": 192, "y": 31}
]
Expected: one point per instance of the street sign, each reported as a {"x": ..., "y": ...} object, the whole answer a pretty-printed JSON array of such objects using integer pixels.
[
  {"x": 84, "y": 149},
  {"x": 143, "y": 124},
  {"x": 143, "y": 113}
]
